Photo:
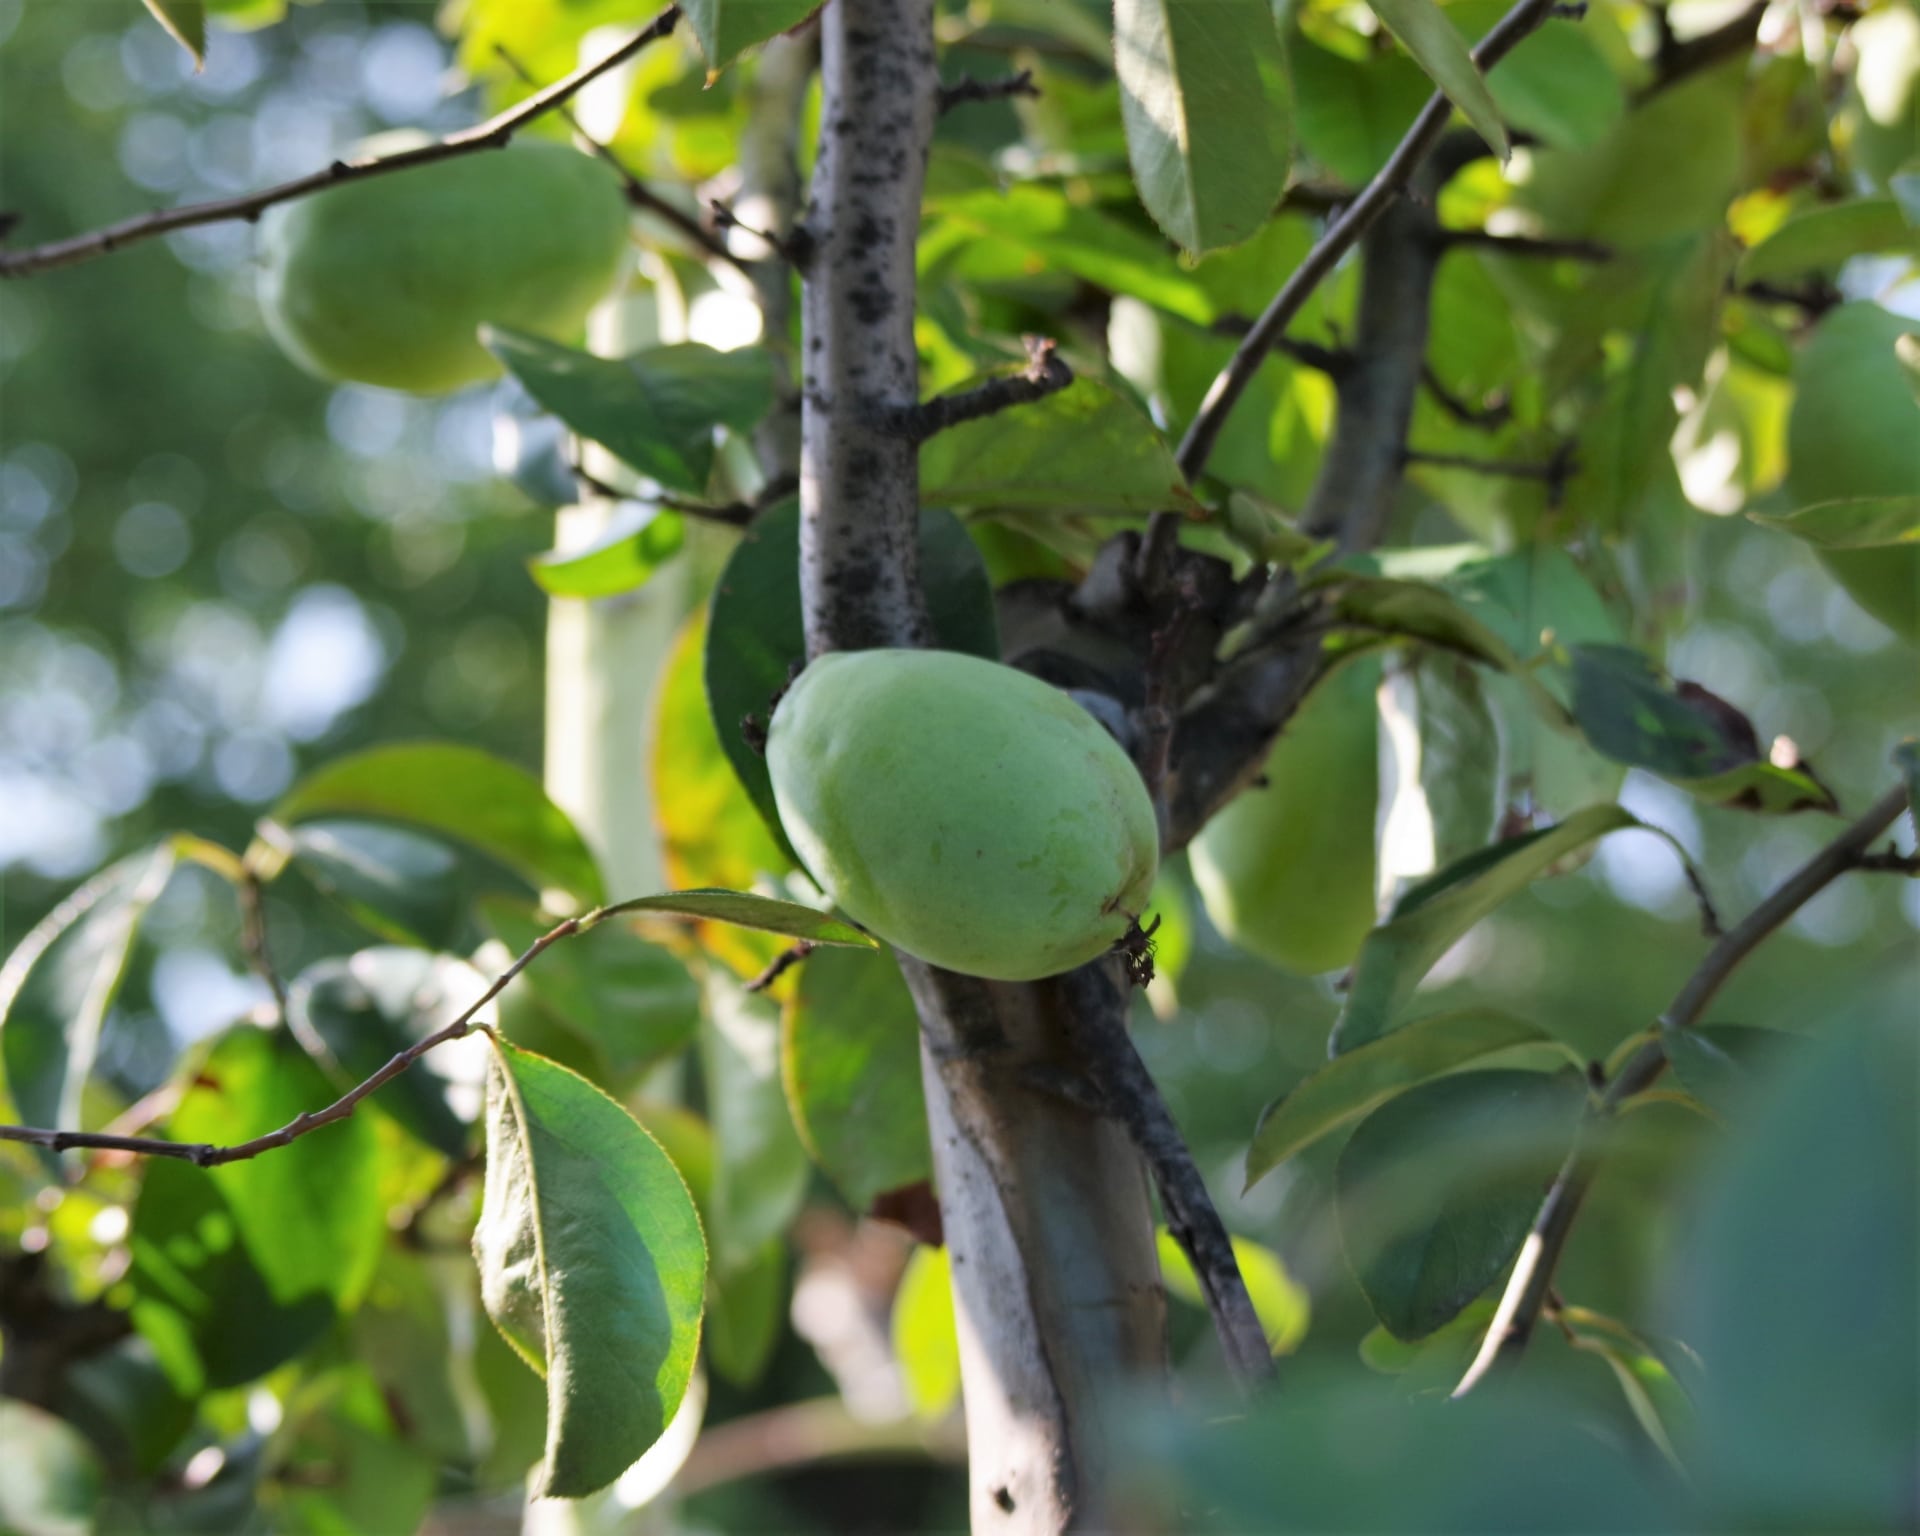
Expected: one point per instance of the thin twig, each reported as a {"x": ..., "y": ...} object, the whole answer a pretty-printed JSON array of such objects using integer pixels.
[
  {"x": 1489, "y": 416},
  {"x": 968, "y": 89},
  {"x": 781, "y": 963},
  {"x": 1046, "y": 374},
  {"x": 1128, "y": 1092},
  {"x": 1532, "y": 1278},
  {"x": 253, "y": 936},
  {"x": 1197, "y": 445},
  {"x": 1677, "y": 60},
  {"x": 638, "y": 192},
  {"x": 494, "y": 133},
  {"x": 1553, "y": 471},
  {"x": 1539, "y": 247}
]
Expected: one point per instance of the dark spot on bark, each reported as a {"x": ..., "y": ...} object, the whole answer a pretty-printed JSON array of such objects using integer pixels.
[{"x": 1003, "y": 1496}]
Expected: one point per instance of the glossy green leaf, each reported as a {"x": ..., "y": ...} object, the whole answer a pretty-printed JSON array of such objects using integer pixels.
[
  {"x": 1866, "y": 522},
  {"x": 1822, "y": 238},
  {"x": 1084, "y": 447},
  {"x": 355, "y": 1013},
  {"x": 1360, "y": 1080},
  {"x": 239, "y": 1268},
  {"x": 1437, "y": 47},
  {"x": 52, "y": 1480},
  {"x": 60, "y": 980},
  {"x": 850, "y": 1056},
  {"x": 755, "y": 636},
  {"x": 726, "y": 28},
  {"x": 1204, "y": 96},
  {"x": 1279, "y": 1301},
  {"x": 185, "y": 22},
  {"x": 655, "y": 410},
  {"x": 592, "y": 1265},
  {"x": 1042, "y": 229},
  {"x": 1430, "y": 917},
  {"x": 1436, "y": 1190},
  {"x": 493, "y": 805},
  {"x": 760, "y": 1168},
  {"x": 392, "y": 882},
  {"x": 634, "y": 1001},
  {"x": 638, "y": 540},
  {"x": 926, "y": 1342},
  {"x": 1634, "y": 714}
]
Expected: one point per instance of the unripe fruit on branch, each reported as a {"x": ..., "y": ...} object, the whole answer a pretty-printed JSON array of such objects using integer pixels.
[
  {"x": 965, "y": 812},
  {"x": 387, "y": 281},
  {"x": 1286, "y": 871}
]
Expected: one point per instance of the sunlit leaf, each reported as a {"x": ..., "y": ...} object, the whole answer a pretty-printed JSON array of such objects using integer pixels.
[
  {"x": 1279, "y": 1301},
  {"x": 464, "y": 793},
  {"x": 637, "y": 541},
  {"x": 1203, "y": 92},
  {"x": 1360, "y": 1080},
  {"x": 592, "y": 1264},
  {"x": 1822, "y": 238},
  {"x": 850, "y": 1055},
  {"x": 60, "y": 980},
  {"x": 1436, "y": 1190},
  {"x": 926, "y": 1344}
]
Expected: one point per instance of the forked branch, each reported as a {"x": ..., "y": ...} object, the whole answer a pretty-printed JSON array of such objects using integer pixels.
[{"x": 494, "y": 133}]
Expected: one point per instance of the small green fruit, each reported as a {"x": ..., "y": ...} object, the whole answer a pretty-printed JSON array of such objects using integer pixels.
[
  {"x": 1855, "y": 431},
  {"x": 386, "y": 281},
  {"x": 1286, "y": 871},
  {"x": 965, "y": 812}
]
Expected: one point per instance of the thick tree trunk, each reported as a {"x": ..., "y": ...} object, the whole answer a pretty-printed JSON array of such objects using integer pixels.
[{"x": 1045, "y": 1203}]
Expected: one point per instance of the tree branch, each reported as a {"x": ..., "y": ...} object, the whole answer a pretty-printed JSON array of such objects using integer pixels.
[
  {"x": 1340, "y": 237},
  {"x": 1046, "y": 373},
  {"x": 1488, "y": 417},
  {"x": 1536, "y": 246},
  {"x": 969, "y": 89},
  {"x": 494, "y": 133},
  {"x": 1677, "y": 60},
  {"x": 1532, "y": 1278},
  {"x": 638, "y": 192}
]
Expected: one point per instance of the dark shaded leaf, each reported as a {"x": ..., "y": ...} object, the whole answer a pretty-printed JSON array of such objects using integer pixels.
[
  {"x": 760, "y": 1168},
  {"x": 1436, "y": 1190},
  {"x": 1723, "y": 1065},
  {"x": 726, "y": 28},
  {"x": 394, "y": 883},
  {"x": 592, "y": 1265}
]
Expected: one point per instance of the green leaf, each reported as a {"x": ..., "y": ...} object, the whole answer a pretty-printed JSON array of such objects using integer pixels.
[
  {"x": 393, "y": 883},
  {"x": 746, "y": 1308},
  {"x": 760, "y": 1168},
  {"x": 185, "y": 22},
  {"x": 340, "y": 1463},
  {"x": 1634, "y": 714},
  {"x": 1722, "y": 1065},
  {"x": 53, "y": 1481},
  {"x": 634, "y": 1001},
  {"x": 125, "y": 1404},
  {"x": 1085, "y": 447},
  {"x": 1822, "y": 238},
  {"x": 1279, "y": 1301},
  {"x": 239, "y": 1268},
  {"x": 1429, "y": 918},
  {"x": 1823, "y": 1305},
  {"x": 655, "y": 410},
  {"x": 926, "y": 1341},
  {"x": 592, "y": 1265},
  {"x": 850, "y": 1056},
  {"x": 1436, "y": 1190},
  {"x": 1360, "y": 1080},
  {"x": 465, "y": 793},
  {"x": 726, "y": 28},
  {"x": 637, "y": 541},
  {"x": 1352, "y": 116},
  {"x": 355, "y": 1013},
  {"x": 60, "y": 980},
  {"x": 755, "y": 635},
  {"x": 764, "y": 913},
  {"x": 1437, "y": 47},
  {"x": 1556, "y": 85},
  {"x": 1445, "y": 795},
  {"x": 1204, "y": 96},
  {"x": 979, "y": 236},
  {"x": 1866, "y": 522}
]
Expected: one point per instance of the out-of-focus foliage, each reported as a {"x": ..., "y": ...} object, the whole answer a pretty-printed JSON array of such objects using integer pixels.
[{"x": 272, "y": 647}]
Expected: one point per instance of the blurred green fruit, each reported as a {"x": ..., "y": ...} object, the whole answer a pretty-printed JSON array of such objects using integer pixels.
[
  {"x": 1855, "y": 431},
  {"x": 1286, "y": 871},
  {"x": 964, "y": 812},
  {"x": 386, "y": 281}
]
